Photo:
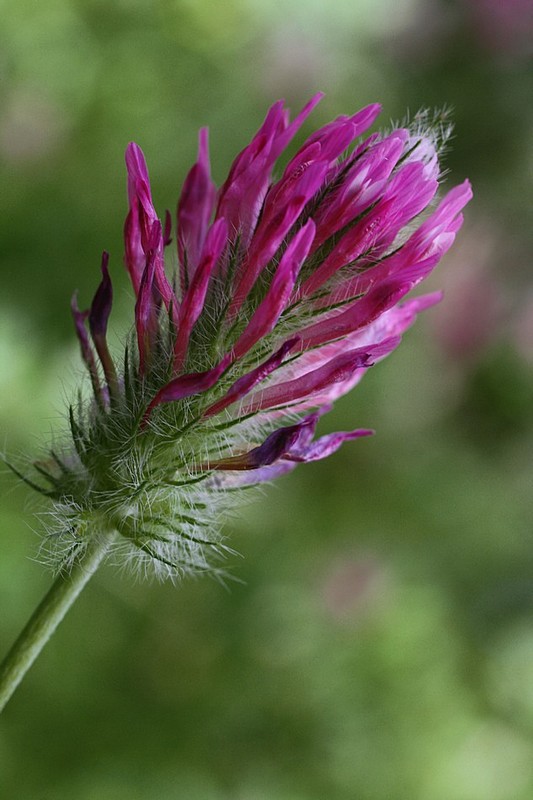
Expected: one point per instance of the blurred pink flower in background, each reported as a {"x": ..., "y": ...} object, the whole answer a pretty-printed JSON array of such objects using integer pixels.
[
  {"x": 523, "y": 328},
  {"x": 503, "y": 26},
  {"x": 476, "y": 304},
  {"x": 32, "y": 127},
  {"x": 354, "y": 587},
  {"x": 293, "y": 62}
]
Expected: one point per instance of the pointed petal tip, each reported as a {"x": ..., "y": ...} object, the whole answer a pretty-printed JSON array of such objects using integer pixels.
[
  {"x": 187, "y": 385},
  {"x": 203, "y": 146},
  {"x": 310, "y": 226},
  {"x": 310, "y": 105},
  {"x": 102, "y": 301},
  {"x": 132, "y": 149},
  {"x": 105, "y": 264},
  {"x": 135, "y": 160},
  {"x": 468, "y": 188},
  {"x": 313, "y": 101},
  {"x": 155, "y": 235},
  {"x": 424, "y": 301},
  {"x": 459, "y": 195},
  {"x": 325, "y": 446},
  {"x": 368, "y": 113}
]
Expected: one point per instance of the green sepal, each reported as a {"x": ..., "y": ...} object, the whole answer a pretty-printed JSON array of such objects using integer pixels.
[{"x": 28, "y": 482}]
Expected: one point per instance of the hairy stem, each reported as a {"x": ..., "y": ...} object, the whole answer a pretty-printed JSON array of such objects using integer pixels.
[{"x": 47, "y": 617}]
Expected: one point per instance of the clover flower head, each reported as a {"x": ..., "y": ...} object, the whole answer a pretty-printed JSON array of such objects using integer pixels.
[{"x": 285, "y": 291}]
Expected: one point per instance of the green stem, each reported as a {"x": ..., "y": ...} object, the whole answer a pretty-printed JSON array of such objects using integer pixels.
[{"x": 47, "y": 617}]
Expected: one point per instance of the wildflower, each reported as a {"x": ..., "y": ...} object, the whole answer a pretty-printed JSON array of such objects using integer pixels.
[{"x": 284, "y": 293}]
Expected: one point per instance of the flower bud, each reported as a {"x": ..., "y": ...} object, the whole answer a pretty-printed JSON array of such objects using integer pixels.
[{"x": 286, "y": 292}]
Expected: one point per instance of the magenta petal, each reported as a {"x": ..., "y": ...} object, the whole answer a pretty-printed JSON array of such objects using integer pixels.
[
  {"x": 242, "y": 194},
  {"x": 378, "y": 341},
  {"x": 243, "y": 385},
  {"x": 337, "y": 141},
  {"x": 187, "y": 385},
  {"x": 155, "y": 247},
  {"x": 137, "y": 170},
  {"x": 147, "y": 306},
  {"x": 239, "y": 479},
  {"x": 292, "y": 443},
  {"x": 318, "y": 381},
  {"x": 273, "y": 448},
  {"x": 139, "y": 191},
  {"x": 303, "y": 178},
  {"x": 195, "y": 207},
  {"x": 364, "y": 118},
  {"x": 287, "y": 449},
  {"x": 139, "y": 228},
  {"x": 326, "y": 445},
  {"x": 417, "y": 304},
  {"x": 385, "y": 330},
  {"x": 254, "y": 162},
  {"x": 362, "y": 185},
  {"x": 279, "y": 444},
  {"x": 134, "y": 256},
  {"x": 418, "y": 256},
  {"x": 406, "y": 195},
  {"x": 276, "y": 222},
  {"x": 357, "y": 123},
  {"x": 335, "y": 137},
  {"x": 268, "y": 312},
  {"x": 361, "y": 313},
  {"x": 326, "y": 146},
  {"x": 141, "y": 215},
  {"x": 444, "y": 219},
  {"x": 412, "y": 189},
  {"x": 284, "y": 139},
  {"x": 193, "y": 301},
  {"x": 403, "y": 264}
]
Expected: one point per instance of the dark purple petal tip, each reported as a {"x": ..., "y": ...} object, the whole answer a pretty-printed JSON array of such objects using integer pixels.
[{"x": 102, "y": 301}]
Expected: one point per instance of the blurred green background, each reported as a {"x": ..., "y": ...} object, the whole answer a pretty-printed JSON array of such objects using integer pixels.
[{"x": 380, "y": 643}]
